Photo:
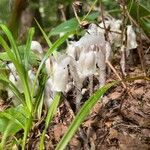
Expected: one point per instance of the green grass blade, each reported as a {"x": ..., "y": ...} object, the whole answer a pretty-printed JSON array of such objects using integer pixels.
[
  {"x": 5, "y": 135},
  {"x": 4, "y": 56},
  {"x": 12, "y": 42},
  {"x": 81, "y": 115},
  {"x": 7, "y": 49},
  {"x": 44, "y": 34},
  {"x": 28, "y": 45},
  {"x": 49, "y": 117},
  {"x": 12, "y": 87}
]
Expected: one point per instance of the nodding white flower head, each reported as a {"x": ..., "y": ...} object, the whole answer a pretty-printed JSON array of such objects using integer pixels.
[
  {"x": 37, "y": 48},
  {"x": 114, "y": 26},
  {"x": 115, "y": 38},
  {"x": 60, "y": 74},
  {"x": 93, "y": 29},
  {"x": 87, "y": 40},
  {"x": 131, "y": 38},
  {"x": 87, "y": 63},
  {"x": 48, "y": 93},
  {"x": 72, "y": 50},
  {"x": 12, "y": 68}
]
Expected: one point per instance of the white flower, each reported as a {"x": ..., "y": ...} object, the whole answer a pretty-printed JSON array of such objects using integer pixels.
[
  {"x": 37, "y": 49},
  {"x": 31, "y": 75},
  {"x": 59, "y": 75},
  {"x": 131, "y": 39},
  {"x": 114, "y": 26},
  {"x": 48, "y": 93},
  {"x": 93, "y": 29},
  {"x": 14, "y": 78},
  {"x": 87, "y": 40},
  {"x": 115, "y": 37},
  {"x": 72, "y": 50},
  {"x": 86, "y": 64}
]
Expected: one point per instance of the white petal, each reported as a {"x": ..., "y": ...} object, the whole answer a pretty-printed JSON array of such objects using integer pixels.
[{"x": 131, "y": 38}]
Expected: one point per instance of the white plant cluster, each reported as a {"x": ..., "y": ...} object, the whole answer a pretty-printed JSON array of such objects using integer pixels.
[{"x": 83, "y": 59}]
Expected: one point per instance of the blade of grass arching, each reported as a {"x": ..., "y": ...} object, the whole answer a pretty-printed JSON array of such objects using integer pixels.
[
  {"x": 28, "y": 46},
  {"x": 12, "y": 87},
  {"x": 12, "y": 42},
  {"x": 82, "y": 114},
  {"x": 5, "y": 135},
  {"x": 46, "y": 37},
  {"x": 90, "y": 10},
  {"x": 39, "y": 101},
  {"x": 10, "y": 54},
  {"x": 14, "y": 118},
  {"x": 49, "y": 117},
  {"x": 8, "y": 50},
  {"x": 49, "y": 52},
  {"x": 44, "y": 34},
  {"x": 4, "y": 56}
]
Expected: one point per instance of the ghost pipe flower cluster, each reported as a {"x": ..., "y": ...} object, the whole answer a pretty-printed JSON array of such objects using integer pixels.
[{"x": 84, "y": 59}]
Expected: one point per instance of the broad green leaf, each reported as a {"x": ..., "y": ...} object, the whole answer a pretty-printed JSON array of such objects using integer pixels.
[
  {"x": 67, "y": 26},
  {"x": 15, "y": 115},
  {"x": 82, "y": 114},
  {"x": 71, "y": 25},
  {"x": 12, "y": 120}
]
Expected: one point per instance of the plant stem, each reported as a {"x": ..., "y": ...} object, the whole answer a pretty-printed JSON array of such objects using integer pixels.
[{"x": 27, "y": 129}]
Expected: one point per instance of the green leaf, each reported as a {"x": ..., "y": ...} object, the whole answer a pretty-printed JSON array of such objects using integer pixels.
[
  {"x": 44, "y": 34},
  {"x": 12, "y": 120},
  {"x": 4, "y": 80},
  {"x": 15, "y": 115},
  {"x": 4, "y": 56},
  {"x": 82, "y": 114},
  {"x": 71, "y": 25},
  {"x": 12, "y": 42},
  {"x": 67, "y": 26},
  {"x": 27, "y": 51},
  {"x": 140, "y": 14}
]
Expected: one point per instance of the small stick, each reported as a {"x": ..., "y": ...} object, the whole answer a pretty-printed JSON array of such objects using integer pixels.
[
  {"x": 61, "y": 7},
  {"x": 114, "y": 70},
  {"x": 103, "y": 20}
]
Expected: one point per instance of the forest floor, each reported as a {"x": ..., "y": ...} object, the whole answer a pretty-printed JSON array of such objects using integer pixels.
[{"x": 120, "y": 121}]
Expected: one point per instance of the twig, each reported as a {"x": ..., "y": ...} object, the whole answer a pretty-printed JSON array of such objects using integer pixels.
[
  {"x": 61, "y": 7},
  {"x": 103, "y": 20},
  {"x": 90, "y": 10},
  {"x": 114, "y": 70}
]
